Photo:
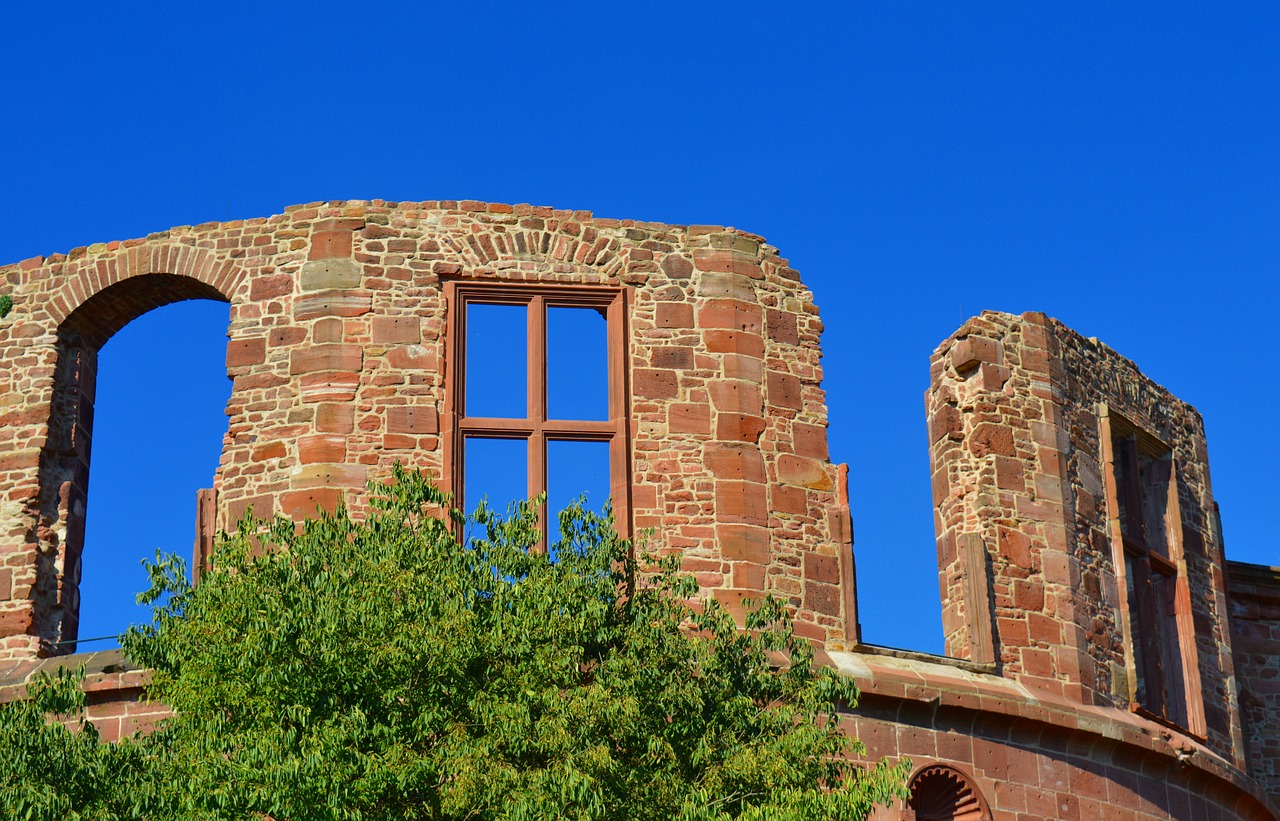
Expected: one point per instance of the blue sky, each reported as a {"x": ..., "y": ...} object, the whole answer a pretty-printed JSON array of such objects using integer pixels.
[{"x": 1115, "y": 167}]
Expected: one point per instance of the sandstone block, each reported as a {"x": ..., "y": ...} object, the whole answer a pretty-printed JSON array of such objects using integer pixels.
[
  {"x": 242, "y": 352},
  {"x": 730, "y": 314},
  {"x": 734, "y": 460},
  {"x": 736, "y": 287},
  {"x": 1015, "y": 547},
  {"x": 739, "y": 427},
  {"x": 330, "y": 274},
  {"x": 412, "y": 357},
  {"x": 972, "y": 351},
  {"x": 716, "y": 260},
  {"x": 689, "y": 418},
  {"x": 397, "y": 330},
  {"x": 784, "y": 390},
  {"x": 328, "y": 357},
  {"x": 331, "y": 303},
  {"x": 734, "y": 342},
  {"x": 1009, "y": 474},
  {"x": 676, "y": 267},
  {"x": 674, "y": 315},
  {"x": 743, "y": 543},
  {"x": 990, "y": 437},
  {"x": 300, "y": 504},
  {"x": 818, "y": 567},
  {"x": 675, "y": 357},
  {"x": 802, "y": 472},
  {"x": 322, "y": 448},
  {"x": 335, "y": 418},
  {"x": 329, "y": 386},
  {"x": 739, "y": 366},
  {"x": 822, "y": 598},
  {"x": 270, "y": 287},
  {"x": 781, "y": 327},
  {"x": 736, "y": 396},
  {"x": 810, "y": 441},
  {"x": 329, "y": 476},
  {"x": 741, "y": 503},
  {"x": 655, "y": 384},
  {"x": 330, "y": 244},
  {"x": 415, "y": 419}
]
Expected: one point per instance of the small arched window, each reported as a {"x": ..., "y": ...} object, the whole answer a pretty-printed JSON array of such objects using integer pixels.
[{"x": 940, "y": 793}]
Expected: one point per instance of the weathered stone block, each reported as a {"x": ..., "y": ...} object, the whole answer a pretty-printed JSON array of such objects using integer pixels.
[
  {"x": 330, "y": 476},
  {"x": 244, "y": 352},
  {"x": 329, "y": 357},
  {"x": 743, "y": 543},
  {"x": 674, "y": 315},
  {"x": 330, "y": 244},
  {"x": 797, "y": 470},
  {"x": 397, "y": 330},
  {"x": 734, "y": 460},
  {"x": 415, "y": 419},
  {"x": 689, "y": 418},
  {"x": 972, "y": 351},
  {"x": 330, "y": 274}
]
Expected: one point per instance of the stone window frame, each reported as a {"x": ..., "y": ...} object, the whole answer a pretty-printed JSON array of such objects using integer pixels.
[
  {"x": 535, "y": 427},
  {"x": 1154, "y": 654}
]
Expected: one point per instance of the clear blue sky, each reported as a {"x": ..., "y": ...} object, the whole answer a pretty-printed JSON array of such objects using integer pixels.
[{"x": 1115, "y": 167}]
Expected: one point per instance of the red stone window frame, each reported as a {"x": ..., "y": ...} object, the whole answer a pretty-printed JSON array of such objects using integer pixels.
[
  {"x": 1151, "y": 571},
  {"x": 535, "y": 427}
]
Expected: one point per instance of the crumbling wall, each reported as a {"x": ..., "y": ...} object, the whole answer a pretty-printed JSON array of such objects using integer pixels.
[
  {"x": 338, "y": 347},
  {"x": 1020, "y": 489}
]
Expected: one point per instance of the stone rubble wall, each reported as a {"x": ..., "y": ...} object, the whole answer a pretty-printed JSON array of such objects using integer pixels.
[
  {"x": 1255, "y": 644},
  {"x": 337, "y": 352},
  {"x": 1018, "y": 482}
]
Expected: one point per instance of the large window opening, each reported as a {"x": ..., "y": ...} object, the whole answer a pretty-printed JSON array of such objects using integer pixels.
[
  {"x": 159, "y": 416},
  {"x": 1146, "y": 531},
  {"x": 537, "y": 386}
]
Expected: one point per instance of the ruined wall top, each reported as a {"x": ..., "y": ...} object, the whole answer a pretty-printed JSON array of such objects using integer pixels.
[{"x": 1077, "y": 534}]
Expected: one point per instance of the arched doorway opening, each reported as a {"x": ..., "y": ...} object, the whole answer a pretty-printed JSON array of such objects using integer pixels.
[{"x": 141, "y": 388}]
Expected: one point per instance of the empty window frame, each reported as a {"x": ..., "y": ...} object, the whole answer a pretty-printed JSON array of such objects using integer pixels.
[
  {"x": 538, "y": 372},
  {"x": 1146, "y": 535}
]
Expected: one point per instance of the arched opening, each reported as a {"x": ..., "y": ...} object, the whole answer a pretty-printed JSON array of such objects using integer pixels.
[
  {"x": 940, "y": 793},
  {"x": 141, "y": 387}
]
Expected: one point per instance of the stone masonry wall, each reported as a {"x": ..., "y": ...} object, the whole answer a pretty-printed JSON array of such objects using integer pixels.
[
  {"x": 1255, "y": 644},
  {"x": 1028, "y": 761},
  {"x": 337, "y": 351},
  {"x": 1018, "y": 479}
]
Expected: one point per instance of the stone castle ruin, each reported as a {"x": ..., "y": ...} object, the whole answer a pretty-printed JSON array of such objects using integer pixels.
[{"x": 1104, "y": 659}]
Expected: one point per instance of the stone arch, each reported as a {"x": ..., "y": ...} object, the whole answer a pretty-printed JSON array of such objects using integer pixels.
[
  {"x": 65, "y": 457},
  {"x": 183, "y": 266}
]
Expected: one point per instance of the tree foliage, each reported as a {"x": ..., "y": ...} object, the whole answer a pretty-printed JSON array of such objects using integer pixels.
[{"x": 380, "y": 668}]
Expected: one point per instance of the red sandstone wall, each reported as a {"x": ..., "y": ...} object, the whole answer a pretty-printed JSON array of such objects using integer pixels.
[
  {"x": 337, "y": 350},
  {"x": 1033, "y": 757},
  {"x": 1022, "y": 514},
  {"x": 338, "y": 347},
  {"x": 1255, "y": 644}
]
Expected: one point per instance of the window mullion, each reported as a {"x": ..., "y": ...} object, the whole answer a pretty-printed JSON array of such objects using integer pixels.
[{"x": 537, "y": 406}]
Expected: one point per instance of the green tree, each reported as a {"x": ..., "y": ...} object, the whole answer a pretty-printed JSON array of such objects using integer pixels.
[{"x": 378, "y": 669}]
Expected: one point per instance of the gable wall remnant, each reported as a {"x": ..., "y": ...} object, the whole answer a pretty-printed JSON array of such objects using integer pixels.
[{"x": 337, "y": 353}]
